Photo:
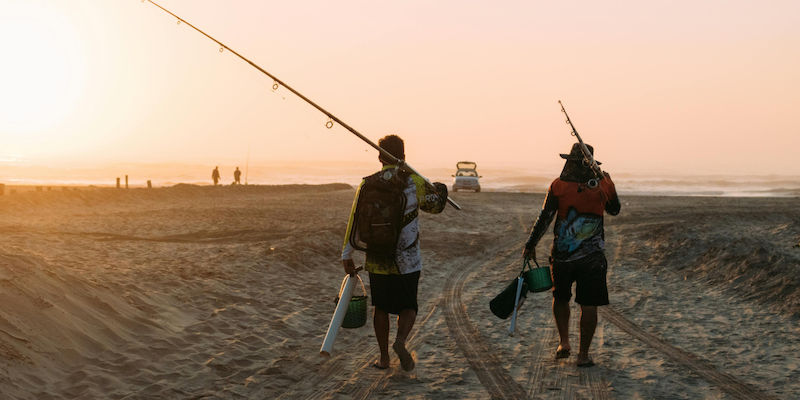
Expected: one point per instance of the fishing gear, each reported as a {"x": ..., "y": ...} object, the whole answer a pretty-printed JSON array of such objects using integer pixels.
[
  {"x": 331, "y": 118},
  {"x": 588, "y": 158}
]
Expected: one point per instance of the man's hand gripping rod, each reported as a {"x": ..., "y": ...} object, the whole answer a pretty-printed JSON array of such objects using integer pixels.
[{"x": 588, "y": 158}]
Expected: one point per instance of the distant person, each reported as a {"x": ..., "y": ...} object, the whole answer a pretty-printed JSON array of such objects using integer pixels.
[
  {"x": 578, "y": 247},
  {"x": 215, "y": 175},
  {"x": 392, "y": 259},
  {"x": 236, "y": 175}
]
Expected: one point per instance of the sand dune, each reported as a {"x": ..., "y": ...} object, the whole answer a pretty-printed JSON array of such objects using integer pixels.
[{"x": 225, "y": 292}]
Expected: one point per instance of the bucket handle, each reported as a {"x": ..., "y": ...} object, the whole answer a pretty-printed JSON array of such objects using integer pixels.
[
  {"x": 527, "y": 263},
  {"x": 344, "y": 280}
]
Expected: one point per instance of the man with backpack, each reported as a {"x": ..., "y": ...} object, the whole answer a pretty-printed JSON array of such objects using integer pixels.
[
  {"x": 384, "y": 223},
  {"x": 577, "y": 200}
]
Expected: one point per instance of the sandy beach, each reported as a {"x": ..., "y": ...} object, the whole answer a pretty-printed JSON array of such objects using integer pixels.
[{"x": 190, "y": 292}]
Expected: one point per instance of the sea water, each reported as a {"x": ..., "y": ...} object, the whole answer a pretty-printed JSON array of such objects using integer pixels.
[{"x": 492, "y": 179}]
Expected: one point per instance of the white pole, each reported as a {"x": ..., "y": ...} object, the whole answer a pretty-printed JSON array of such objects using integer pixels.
[
  {"x": 516, "y": 307},
  {"x": 338, "y": 316}
]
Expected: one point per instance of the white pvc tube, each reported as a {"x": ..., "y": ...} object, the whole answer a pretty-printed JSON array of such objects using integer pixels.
[
  {"x": 338, "y": 316},
  {"x": 516, "y": 307}
]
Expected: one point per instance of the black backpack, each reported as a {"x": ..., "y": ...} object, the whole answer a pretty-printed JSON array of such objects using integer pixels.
[{"x": 379, "y": 212}]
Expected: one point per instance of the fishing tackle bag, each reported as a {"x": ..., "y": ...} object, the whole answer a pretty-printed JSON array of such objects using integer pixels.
[
  {"x": 502, "y": 305},
  {"x": 379, "y": 214}
]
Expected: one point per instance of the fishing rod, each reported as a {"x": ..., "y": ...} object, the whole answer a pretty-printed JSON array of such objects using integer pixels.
[
  {"x": 588, "y": 158},
  {"x": 331, "y": 118}
]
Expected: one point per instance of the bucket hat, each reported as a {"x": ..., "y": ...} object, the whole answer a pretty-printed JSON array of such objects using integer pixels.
[{"x": 576, "y": 154}]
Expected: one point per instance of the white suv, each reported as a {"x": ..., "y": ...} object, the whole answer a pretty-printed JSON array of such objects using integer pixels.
[{"x": 466, "y": 176}]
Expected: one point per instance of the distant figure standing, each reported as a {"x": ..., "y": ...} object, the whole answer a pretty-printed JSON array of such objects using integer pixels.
[
  {"x": 215, "y": 175},
  {"x": 236, "y": 175},
  {"x": 578, "y": 246}
]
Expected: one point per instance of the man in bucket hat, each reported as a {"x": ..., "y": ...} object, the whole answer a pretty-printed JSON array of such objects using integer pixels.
[{"x": 577, "y": 200}]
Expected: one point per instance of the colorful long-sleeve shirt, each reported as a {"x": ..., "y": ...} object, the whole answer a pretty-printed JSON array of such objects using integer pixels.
[
  {"x": 578, "y": 210},
  {"x": 407, "y": 258}
]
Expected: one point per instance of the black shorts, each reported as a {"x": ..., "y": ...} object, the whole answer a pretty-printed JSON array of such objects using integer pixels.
[
  {"x": 589, "y": 273},
  {"x": 394, "y": 293}
]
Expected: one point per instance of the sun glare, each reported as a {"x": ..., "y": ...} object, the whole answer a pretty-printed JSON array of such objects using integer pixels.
[{"x": 41, "y": 75}]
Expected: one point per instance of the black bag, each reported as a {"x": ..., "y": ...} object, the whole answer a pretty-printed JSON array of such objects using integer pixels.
[
  {"x": 502, "y": 305},
  {"x": 379, "y": 212}
]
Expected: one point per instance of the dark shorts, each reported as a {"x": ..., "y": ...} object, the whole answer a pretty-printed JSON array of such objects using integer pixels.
[
  {"x": 589, "y": 275},
  {"x": 394, "y": 293}
]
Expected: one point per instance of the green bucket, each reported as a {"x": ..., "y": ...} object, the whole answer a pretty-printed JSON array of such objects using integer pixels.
[
  {"x": 538, "y": 279},
  {"x": 356, "y": 315}
]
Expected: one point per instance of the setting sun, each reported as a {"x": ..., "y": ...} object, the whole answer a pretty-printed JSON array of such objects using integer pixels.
[
  {"x": 121, "y": 81},
  {"x": 42, "y": 73}
]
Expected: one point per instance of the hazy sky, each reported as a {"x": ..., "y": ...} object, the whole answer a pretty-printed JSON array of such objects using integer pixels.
[{"x": 656, "y": 86}]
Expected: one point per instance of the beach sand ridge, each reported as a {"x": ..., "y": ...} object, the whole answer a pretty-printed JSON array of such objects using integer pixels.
[{"x": 226, "y": 292}]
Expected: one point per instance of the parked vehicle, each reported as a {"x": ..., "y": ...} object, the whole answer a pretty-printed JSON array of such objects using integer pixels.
[{"x": 466, "y": 177}]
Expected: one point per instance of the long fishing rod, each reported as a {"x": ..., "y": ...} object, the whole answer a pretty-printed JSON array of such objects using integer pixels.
[
  {"x": 588, "y": 158},
  {"x": 331, "y": 118}
]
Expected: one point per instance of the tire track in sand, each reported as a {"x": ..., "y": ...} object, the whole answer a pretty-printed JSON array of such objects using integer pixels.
[
  {"x": 381, "y": 380},
  {"x": 701, "y": 367},
  {"x": 498, "y": 383},
  {"x": 725, "y": 382},
  {"x": 546, "y": 376},
  {"x": 328, "y": 382}
]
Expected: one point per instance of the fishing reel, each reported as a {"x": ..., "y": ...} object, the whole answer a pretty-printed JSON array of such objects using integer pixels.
[
  {"x": 590, "y": 184},
  {"x": 594, "y": 182}
]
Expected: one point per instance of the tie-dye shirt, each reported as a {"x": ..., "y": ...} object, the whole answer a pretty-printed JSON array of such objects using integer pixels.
[{"x": 578, "y": 230}]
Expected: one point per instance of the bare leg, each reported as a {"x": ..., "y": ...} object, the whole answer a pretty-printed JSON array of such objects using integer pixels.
[
  {"x": 405, "y": 321},
  {"x": 380, "y": 320},
  {"x": 588, "y": 325},
  {"x": 561, "y": 314}
]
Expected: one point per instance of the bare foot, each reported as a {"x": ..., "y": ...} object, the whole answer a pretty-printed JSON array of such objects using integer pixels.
[
  {"x": 584, "y": 361},
  {"x": 562, "y": 352},
  {"x": 406, "y": 361},
  {"x": 378, "y": 365},
  {"x": 382, "y": 362}
]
